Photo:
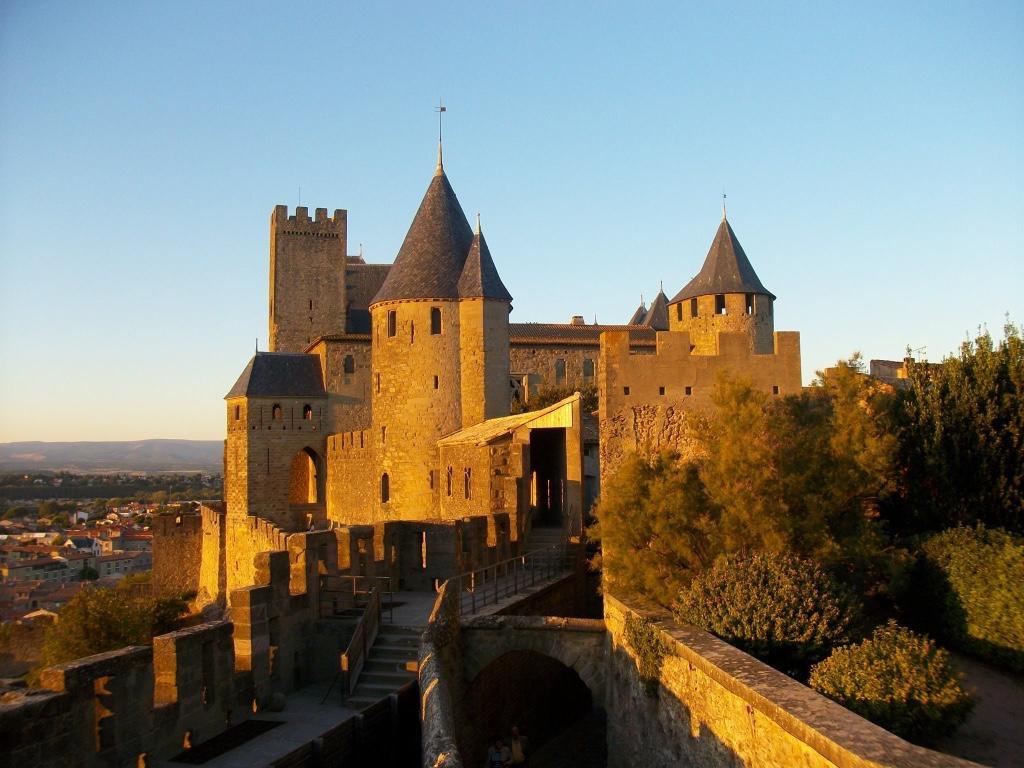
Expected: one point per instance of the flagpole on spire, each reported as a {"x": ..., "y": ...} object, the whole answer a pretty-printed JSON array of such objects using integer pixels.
[
  {"x": 441, "y": 109},
  {"x": 724, "y": 217}
]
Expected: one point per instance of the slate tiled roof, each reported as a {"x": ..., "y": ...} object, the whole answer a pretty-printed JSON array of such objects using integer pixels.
[
  {"x": 637, "y": 317},
  {"x": 726, "y": 270},
  {"x": 558, "y": 333},
  {"x": 480, "y": 277},
  {"x": 657, "y": 316},
  {"x": 280, "y": 374},
  {"x": 430, "y": 261}
]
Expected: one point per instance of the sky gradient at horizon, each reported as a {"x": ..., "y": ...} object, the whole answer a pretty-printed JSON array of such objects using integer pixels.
[{"x": 872, "y": 155}]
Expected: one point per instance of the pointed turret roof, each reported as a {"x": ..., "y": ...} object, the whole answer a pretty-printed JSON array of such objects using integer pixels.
[
  {"x": 637, "y": 318},
  {"x": 657, "y": 316},
  {"x": 726, "y": 270},
  {"x": 480, "y": 278},
  {"x": 430, "y": 262}
]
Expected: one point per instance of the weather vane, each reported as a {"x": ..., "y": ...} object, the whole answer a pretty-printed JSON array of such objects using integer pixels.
[
  {"x": 723, "y": 204},
  {"x": 441, "y": 109}
]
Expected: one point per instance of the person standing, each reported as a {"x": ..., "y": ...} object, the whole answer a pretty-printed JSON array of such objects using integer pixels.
[{"x": 517, "y": 747}]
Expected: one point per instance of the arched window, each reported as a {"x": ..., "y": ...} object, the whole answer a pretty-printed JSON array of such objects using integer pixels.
[
  {"x": 435, "y": 321},
  {"x": 350, "y": 364},
  {"x": 307, "y": 412},
  {"x": 276, "y": 413},
  {"x": 720, "y": 304},
  {"x": 385, "y": 488},
  {"x": 559, "y": 371},
  {"x": 238, "y": 412},
  {"x": 588, "y": 368}
]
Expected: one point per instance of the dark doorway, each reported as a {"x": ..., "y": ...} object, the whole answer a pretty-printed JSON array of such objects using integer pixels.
[
  {"x": 547, "y": 481},
  {"x": 546, "y": 699}
]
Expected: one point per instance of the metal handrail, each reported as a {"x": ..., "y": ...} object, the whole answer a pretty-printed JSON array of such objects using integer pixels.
[
  {"x": 384, "y": 583},
  {"x": 485, "y": 586}
]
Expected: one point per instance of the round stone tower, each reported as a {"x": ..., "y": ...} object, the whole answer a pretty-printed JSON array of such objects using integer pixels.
[
  {"x": 725, "y": 296},
  {"x": 440, "y": 350}
]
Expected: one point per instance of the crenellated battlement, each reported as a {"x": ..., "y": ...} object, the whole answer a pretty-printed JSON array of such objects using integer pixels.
[
  {"x": 301, "y": 223},
  {"x": 354, "y": 440}
]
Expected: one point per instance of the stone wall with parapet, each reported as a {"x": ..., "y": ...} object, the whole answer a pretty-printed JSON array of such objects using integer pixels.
[
  {"x": 177, "y": 553},
  {"x": 717, "y": 706},
  {"x": 440, "y": 681},
  {"x": 132, "y": 706},
  {"x": 353, "y": 482},
  {"x": 645, "y": 399}
]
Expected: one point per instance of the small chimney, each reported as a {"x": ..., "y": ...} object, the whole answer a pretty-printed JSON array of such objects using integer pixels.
[{"x": 577, "y": 320}]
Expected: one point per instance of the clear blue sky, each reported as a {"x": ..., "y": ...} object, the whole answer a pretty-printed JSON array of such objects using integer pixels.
[{"x": 872, "y": 154}]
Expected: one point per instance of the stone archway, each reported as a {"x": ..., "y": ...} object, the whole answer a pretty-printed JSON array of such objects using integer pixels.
[{"x": 307, "y": 479}]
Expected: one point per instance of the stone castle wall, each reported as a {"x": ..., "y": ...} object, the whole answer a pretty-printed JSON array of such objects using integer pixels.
[
  {"x": 645, "y": 399},
  {"x": 417, "y": 385},
  {"x": 717, "y": 706},
  {"x": 307, "y": 276},
  {"x": 177, "y": 553},
  {"x": 484, "y": 359},
  {"x": 260, "y": 452},
  {"x": 353, "y": 486},
  {"x": 539, "y": 363},
  {"x": 758, "y": 327},
  {"x": 348, "y": 391}
]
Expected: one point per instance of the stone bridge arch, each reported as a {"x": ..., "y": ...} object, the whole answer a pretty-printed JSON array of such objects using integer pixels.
[{"x": 579, "y": 644}]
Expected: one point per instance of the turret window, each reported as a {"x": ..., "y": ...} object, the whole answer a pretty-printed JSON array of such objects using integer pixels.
[
  {"x": 385, "y": 488},
  {"x": 693, "y": 308},
  {"x": 435, "y": 321},
  {"x": 679, "y": 311},
  {"x": 750, "y": 303},
  {"x": 467, "y": 482},
  {"x": 448, "y": 482},
  {"x": 276, "y": 413},
  {"x": 720, "y": 304},
  {"x": 238, "y": 412},
  {"x": 392, "y": 322},
  {"x": 307, "y": 412}
]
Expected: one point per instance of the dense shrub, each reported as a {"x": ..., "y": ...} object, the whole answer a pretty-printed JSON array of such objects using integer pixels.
[
  {"x": 968, "y": 590},
  {"x": 897, "y": 679},
  {"x": 783, "y": 609}
]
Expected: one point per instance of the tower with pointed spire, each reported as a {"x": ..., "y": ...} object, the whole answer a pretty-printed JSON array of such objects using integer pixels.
[
  {"x": 440, "y": 356},
  {"x": 726, "y": 296}
]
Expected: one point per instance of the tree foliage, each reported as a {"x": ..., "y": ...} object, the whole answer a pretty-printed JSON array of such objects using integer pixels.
[
  {"x": 961, "y": 430},
  {"x": 968, "y": 589},
  {"x": 656, "y": 526},
  {"x": 549, "y": 395},
  {"x": 898, "y": 679},
  {"x": 783, "y": 609},
  {"x": 98, "y": 620}
]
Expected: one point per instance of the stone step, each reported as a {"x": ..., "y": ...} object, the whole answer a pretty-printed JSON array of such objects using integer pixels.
[
  {"x": 394, "y": 629},
  {"x": 373, "y": 666},
  {"x": 401, "y": 655},
  {"x": 395, "y": 679},
  {"x": 397, "y": 641}
]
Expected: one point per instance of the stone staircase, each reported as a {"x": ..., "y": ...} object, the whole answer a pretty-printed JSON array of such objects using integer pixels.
[
  {"x": 544, "y": 538},
  {"x": 391, "y": 663}
]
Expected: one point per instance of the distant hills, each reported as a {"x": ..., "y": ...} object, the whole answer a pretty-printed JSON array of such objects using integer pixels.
[{"x": 115, "y": 456}]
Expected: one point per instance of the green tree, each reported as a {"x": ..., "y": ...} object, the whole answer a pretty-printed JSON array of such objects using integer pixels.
[
  {"x": 961, "y": 434},
  {"x": 656, "y": 526},
  {"x": 98, "y": 620},
  {"x": 549, "y": 395},
  {"x": 88, "y": 574},
  {"x": 47, "y": 508}
]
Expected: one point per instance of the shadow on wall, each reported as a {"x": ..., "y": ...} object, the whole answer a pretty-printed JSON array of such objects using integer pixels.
[
  {"x": 535, "y": 692},
  {"x": 656, "y": 719}
]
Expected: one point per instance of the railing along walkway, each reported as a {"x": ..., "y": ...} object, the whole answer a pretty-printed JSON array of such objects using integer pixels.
[
  {"x": 493, "y": 583},
  {"x": 354, "y": 657}
]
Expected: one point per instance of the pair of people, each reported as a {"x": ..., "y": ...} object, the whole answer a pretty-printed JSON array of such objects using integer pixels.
[{"x": 502, "y": 754}]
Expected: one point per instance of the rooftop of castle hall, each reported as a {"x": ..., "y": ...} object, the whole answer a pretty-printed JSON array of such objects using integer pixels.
[
  {"x": 726, "y": 270},
  {"x": 280, "y": 374},
  {"x": 440, "y": 257},
  {"x": 638, "y": 316},
  {"x": 657, "y": 316}
]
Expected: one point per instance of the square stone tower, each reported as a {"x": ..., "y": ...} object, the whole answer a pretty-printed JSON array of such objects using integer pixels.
[{"x": 307, "y": 276}]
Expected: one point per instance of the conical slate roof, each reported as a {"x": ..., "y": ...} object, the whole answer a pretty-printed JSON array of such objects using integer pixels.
[
  {"x": 726, "y": 270},
  {"x": 657, "y": 316},
  {"x": 637, "y": 318},
  {"x": 480, "y": 278},
  {"x": 430, "y": 262}
]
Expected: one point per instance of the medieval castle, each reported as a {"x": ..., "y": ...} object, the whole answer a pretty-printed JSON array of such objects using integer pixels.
[{"x": 384, "y": 403}]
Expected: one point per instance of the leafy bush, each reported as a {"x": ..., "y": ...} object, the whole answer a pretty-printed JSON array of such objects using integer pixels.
[
  {"x": 642, "y": 637},
  {"x": 969, "y": 590},
  {"x": 783, "y": 609},
  {"x": 897, "y": 679},
  {"x": 98, "y": 620}
]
